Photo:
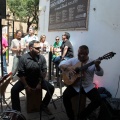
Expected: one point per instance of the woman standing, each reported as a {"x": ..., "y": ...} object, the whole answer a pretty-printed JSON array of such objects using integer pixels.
[
  {"x": 44, "y": 44},
  {"x": 18, "y": 47}
]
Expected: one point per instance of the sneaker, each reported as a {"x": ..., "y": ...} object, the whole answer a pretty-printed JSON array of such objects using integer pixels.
[{"x": 46, "y": 110}]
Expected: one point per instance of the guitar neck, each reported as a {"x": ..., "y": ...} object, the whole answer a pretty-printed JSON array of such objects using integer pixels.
[{"x": 86, "y": 66}]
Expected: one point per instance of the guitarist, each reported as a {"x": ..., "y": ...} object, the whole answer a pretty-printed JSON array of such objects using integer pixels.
[{"x": 87, "y": 84}]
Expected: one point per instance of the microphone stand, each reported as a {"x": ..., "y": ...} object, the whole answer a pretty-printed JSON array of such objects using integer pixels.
[
  {"x": 1, "y": 47},
  {"x": 46, "y": 87},
  {"x": 80, "y": 88}
]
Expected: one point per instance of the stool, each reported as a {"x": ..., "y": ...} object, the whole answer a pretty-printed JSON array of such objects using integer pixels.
[
  {"x": 33, "y": 101},
  {"x": 75, "y": 102}
]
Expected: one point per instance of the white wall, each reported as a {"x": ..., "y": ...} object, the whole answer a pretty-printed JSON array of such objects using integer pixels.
[{"x": 102, "y": 37}]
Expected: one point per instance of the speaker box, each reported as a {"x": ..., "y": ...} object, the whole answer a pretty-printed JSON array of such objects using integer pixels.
[
  {"x": 106, "y": 113},
  {"x": 2, "y": 9}
]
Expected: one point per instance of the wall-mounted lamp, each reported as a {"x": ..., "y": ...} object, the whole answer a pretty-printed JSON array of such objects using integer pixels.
[
  {"x": 40, "y": 8},
  {"x": 44, "y": 8},
  {"x": 94, "y": 9}
]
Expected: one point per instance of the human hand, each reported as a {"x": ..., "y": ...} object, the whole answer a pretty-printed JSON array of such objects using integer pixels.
[
  {"x": 18, "y": 49},
  {"x": 3, "y": 51},
  {"x": 97, "y": 64},
  {"x": 71, "y": 70},
  {"x": 38, "y": 87}
]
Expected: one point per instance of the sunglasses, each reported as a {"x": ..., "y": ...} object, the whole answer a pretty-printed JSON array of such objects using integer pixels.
[
  {"x": 37, "y": 48},
  {"x": 57, "y": 39}
]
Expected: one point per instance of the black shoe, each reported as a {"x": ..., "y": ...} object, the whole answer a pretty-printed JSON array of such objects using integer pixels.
[
  {"x": 46, "y": 110},
  {"x": 71, "y": 119}
]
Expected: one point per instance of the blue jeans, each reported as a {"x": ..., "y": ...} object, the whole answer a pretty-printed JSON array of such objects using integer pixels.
[
  {"x": 4, "y": 65},
  {"x": 15, "y": 64},
  {"x": 57, "y": 60}
]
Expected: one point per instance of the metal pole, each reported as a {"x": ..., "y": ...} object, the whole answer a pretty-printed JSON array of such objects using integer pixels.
[
  {"x": 13, "y": 25},
  {"x": 1, "y": 47},
  {"x": 50, "y": 58},
  {"x": 8, "y": 38}
]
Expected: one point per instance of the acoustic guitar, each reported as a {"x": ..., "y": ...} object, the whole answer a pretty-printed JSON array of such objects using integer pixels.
[{"x": 69, "y": 78}]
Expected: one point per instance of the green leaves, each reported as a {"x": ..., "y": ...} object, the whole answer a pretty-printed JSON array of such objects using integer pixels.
[{"x": 25, "y": 10}]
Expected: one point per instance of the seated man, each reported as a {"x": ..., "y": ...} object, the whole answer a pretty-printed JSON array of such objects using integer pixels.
[
  {"x": 87, "y": 86},
  {"x": 32, "y": 70},
  {"x": 66, "y": 49}
]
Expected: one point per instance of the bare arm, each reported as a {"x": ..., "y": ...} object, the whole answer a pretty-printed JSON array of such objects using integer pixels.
[
  {"x": 4, "y": 49},
  {"x": 64, "y": 51}
]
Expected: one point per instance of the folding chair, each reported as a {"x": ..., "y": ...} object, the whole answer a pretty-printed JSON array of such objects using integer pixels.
[{"x": 3, "y": 85}]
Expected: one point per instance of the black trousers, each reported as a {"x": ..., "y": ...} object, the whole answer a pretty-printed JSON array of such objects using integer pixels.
[
  {"x": 18, "y": 87},
  {"x": 93, "y": 95}
]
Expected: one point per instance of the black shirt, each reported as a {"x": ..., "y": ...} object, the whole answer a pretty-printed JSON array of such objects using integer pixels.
[
  {"x": 31, "y": 68},
  {"x": 70, "y": 48}
]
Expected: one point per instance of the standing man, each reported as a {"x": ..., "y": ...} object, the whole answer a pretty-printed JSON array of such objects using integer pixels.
[
  {"x": 31, "y": 36},
  {"x": 4, "y": 49},
  {"x": 32, "y": 71},
  {"x": 87, "y": 82}
]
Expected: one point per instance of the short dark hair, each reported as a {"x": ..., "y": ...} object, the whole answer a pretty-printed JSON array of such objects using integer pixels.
[
  {"x": 67, "y": 35},
  {"x": 85, "y": 47},
  {"x": 17, "y": 31},
  {"x": 32, "y": 43}
]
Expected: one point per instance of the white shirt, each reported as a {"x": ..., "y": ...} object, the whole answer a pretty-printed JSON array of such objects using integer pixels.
[
  {"x": 87, "y": 83},
  {"x": 28, "y": 39},
  {"x": 15, "y": 44},
  {"x": 45, "y": 44}
]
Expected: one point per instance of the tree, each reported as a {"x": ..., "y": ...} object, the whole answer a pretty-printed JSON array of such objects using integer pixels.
[{"x": 25, "y": 10}]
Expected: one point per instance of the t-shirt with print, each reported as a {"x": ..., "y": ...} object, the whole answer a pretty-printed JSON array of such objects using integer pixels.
[{"x": 58, "y": 53}]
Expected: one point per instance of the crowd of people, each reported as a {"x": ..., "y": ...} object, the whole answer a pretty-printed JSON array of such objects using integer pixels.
[{"x": 29, "y": 65}]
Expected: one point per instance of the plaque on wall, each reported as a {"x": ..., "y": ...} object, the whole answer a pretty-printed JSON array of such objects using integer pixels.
[{"x": 68, "y": 15}]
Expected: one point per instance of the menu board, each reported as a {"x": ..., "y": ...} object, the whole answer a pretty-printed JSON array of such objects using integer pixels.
[{"x": 68, "y": 15}]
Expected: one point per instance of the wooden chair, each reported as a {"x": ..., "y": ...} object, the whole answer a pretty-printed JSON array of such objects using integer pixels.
[{"x": 3, "y": 85}]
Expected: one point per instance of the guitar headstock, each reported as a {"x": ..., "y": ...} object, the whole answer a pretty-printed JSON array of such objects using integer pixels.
[{"x": 107, "y": 56}]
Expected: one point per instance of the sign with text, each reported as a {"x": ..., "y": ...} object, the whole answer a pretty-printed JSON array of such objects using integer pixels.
[{"x": 68, "y": 15}]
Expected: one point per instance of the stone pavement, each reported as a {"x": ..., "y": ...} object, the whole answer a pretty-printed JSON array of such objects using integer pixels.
[{"x": 58, "y": 114}]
